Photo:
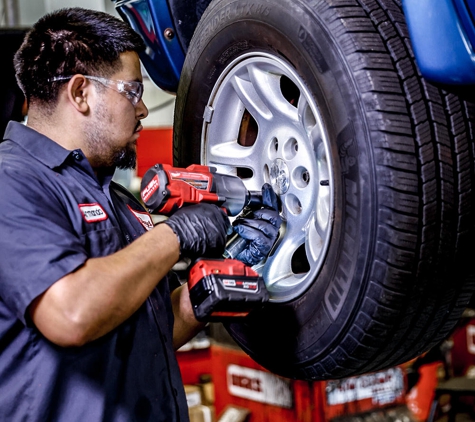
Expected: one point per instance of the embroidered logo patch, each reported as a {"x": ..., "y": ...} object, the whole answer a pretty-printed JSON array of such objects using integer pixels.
[
  {"x": 92, "y": 213},
  {"x": 143, "y": 217}
]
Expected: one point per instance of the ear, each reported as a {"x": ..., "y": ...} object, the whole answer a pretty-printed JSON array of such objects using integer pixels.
[{"x": 78, "y": 90}]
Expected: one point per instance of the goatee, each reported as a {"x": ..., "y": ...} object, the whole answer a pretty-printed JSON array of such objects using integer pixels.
[{"x": 126, "y": 158}]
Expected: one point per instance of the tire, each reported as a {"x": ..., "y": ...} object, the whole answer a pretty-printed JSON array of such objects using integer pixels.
[{"x": 374, "y": 167}]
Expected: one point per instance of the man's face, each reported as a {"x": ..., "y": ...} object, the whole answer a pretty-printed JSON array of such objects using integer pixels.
[{"x": 113, "y": 130}]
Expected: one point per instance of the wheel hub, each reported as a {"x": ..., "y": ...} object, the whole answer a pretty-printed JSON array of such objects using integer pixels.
[{"x": 279, "y": 176}]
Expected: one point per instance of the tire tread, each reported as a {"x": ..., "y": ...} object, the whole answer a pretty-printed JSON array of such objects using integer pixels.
[{"x": 402, "y": 106}]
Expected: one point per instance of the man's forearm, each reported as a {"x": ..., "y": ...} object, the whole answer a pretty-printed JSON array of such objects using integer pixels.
[
  {"x": 186, "y": 326},
  {"x": 104, "y": 292}
]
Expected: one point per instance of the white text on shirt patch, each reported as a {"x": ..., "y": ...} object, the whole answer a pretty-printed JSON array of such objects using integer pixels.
[
  {"x": 143, "y": 217},
  {"x": 92, "y": 213}
]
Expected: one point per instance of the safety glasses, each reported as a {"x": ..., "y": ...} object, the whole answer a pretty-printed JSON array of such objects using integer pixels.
[{"x": 132, "y": 90}]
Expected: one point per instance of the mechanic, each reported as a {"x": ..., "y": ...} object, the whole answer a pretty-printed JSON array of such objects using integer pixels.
[{"x": 88, "y": 325}]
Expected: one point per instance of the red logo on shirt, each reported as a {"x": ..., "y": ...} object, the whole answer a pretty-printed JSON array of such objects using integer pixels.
[
  {"x": 92, "y": 213},
  {"x": 143, "y": 217}
]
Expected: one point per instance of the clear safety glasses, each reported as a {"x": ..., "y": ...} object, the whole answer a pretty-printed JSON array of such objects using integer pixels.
[{"x": 132, "y": 90}]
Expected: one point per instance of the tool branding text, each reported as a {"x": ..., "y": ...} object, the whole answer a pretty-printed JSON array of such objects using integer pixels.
[{"x": 150, "y": 189}]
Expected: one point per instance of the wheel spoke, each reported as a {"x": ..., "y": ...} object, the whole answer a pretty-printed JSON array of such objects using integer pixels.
[
  {"x": 251, "y": 99},
  {"x": 307, "y": 119},
  {"x": 267, "y": 86},
  {"x": 314, "y": 241},
  {"x": 303, "y": 112},
  {"x": 323, "y": 211},
  {"x": 231, "y": 153},
  {"x": 278, "y": 269}
]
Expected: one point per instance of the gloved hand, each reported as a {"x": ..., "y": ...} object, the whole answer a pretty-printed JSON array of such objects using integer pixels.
[
  {"x": 201, "y": 230},
  {"x": 260, "y": 229}
]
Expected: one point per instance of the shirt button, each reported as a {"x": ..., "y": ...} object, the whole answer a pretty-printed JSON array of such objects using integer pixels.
[{"x": 77, "y": 156}]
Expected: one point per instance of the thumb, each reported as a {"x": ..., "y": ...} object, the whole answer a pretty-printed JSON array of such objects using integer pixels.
[{"x": 269, "y": 197}]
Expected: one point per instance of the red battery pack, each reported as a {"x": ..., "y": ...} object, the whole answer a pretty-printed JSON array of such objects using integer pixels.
[{"x": 225, "y": 289}]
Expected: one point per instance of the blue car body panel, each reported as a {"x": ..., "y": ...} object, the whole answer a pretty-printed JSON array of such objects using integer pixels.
[
  {"x": 442, "y": 33},
  {"x": 163, "y": 58},
  {"x": 443, "y": 37}
]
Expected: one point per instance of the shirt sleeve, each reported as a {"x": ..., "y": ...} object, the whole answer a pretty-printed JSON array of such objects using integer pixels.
[{"x": 37, "y": 243}]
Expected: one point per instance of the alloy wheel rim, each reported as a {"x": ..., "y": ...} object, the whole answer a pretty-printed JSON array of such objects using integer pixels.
[{"x": 262, "y": 124}]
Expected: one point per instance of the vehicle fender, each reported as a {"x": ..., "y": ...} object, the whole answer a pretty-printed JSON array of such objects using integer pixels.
[
  {"x": 164, "y": 56},
  {"x": 443, "y": 38}
]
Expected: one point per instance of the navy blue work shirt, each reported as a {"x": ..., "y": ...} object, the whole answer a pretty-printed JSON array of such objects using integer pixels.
[{"x": 56, "y": 214}]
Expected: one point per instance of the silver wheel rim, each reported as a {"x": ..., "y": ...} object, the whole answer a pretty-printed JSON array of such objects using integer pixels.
[{"x": 289, "y": 149}]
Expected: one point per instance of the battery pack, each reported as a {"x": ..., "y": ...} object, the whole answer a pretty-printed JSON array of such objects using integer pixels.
[{"x": 225, "y": 289}]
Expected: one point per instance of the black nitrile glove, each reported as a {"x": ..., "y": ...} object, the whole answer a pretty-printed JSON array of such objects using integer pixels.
[
  {"x": 201, "y": 230},
  {"x": 260, "y": 229}
]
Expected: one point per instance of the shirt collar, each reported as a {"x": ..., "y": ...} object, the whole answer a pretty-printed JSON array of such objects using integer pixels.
[
  {"x": 37, "y": 145},
  {"x": 50, "y": 153}
]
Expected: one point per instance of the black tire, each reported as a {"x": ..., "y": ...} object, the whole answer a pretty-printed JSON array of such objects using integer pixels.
[{"x": 393, "y": 277}]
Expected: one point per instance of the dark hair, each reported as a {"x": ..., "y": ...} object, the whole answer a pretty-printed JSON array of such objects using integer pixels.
[{"x": 70, "y": 41}]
